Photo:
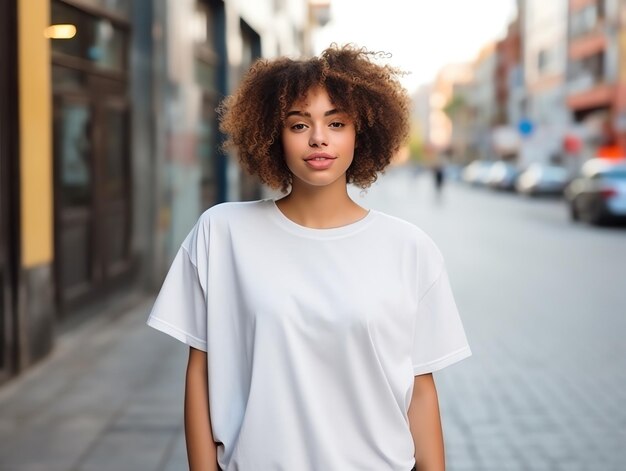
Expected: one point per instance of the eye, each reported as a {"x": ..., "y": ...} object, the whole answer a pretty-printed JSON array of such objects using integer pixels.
[
  {"x": 298, "y": 127},
  {"x": 336, "y": 124}
]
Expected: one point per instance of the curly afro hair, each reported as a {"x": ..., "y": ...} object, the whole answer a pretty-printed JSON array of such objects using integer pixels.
[{"x": 369, "y": 93}]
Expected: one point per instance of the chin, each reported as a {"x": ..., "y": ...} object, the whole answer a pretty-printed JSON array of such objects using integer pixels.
[{"x": 320, "y": 183}]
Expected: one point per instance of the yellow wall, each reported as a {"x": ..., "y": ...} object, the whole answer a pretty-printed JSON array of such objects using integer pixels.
[{"x": 35, "y": 133}]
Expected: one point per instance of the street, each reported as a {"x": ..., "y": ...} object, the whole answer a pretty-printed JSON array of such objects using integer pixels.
[{"x": 543, "y": 302}]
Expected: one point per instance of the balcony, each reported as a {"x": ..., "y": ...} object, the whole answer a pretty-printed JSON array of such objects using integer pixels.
[
  {"x": 598, "y": 95},
  {"x": 576, "y": 5},
  {"x": 591, "y": 43},
  {"x": 582, "y": 83}
]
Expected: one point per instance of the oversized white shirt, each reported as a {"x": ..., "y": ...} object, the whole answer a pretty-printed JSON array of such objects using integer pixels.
[{"x": 313, "y": 336}]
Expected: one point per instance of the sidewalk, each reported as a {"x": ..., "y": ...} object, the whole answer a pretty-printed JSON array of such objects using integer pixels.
[{"x": 109, "y": 397}]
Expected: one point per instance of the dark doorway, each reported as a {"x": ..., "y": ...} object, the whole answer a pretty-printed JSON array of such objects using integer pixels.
[{"x": 9, "y": 158}]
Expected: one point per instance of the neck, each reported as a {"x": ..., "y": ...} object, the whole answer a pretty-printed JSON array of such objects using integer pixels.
[{"x": 320, "y": 207}]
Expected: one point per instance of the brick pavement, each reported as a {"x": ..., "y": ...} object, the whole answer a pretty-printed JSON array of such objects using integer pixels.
[{"x": 109, "y": 398}]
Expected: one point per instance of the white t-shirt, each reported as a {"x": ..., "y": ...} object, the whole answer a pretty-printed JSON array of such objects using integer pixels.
[{"x": 313, "y": 336}]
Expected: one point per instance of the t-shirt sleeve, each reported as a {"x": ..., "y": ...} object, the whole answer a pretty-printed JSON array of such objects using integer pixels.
[
  {"x": 439, "y": 338},
  {"x": 180, "y": 307}
]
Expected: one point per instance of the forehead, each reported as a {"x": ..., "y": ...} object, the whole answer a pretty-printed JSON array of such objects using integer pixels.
[{"x": 314, "y": 96}]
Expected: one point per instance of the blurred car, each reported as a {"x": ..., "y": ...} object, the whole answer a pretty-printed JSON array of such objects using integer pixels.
[
  {"x": 476, "y": 172},
  {"x": 502, "y": 176},
  {"x": 542, "y": 179},
  {"x": 598, "y": 195}
]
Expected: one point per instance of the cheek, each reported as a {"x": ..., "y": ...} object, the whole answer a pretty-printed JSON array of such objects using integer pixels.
[
  {"x": 349, "y": 142},
  {"x": 291, "y": 154},
  {"x": 292, "y": 142},
  {"x": 287, "y": 145}
]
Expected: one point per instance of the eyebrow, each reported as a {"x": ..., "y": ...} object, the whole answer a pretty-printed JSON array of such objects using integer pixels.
[{"x": 308, "y": 115}]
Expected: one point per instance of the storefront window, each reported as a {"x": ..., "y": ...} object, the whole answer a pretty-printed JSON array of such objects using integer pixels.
[
  {"x": 108, "y": 45},
  {"x": 74, "y": 143},
  {"x": 116, "y": 151},
  {"x": 205, "y": 74},
  {"x": 97, "y": 40},
  {"x": 66, "y": 79},
  {"x": 119, "y": 7}
]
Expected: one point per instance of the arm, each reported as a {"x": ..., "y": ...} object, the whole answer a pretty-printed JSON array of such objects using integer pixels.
[
  {"x": 201, "y": 449},
  {"x": 425, "y": 425}
]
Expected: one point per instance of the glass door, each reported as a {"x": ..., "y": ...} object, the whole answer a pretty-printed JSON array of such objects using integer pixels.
[
  {"x": 91, "y": 152},
  {"x": 75, "y": 254},
  {"x": 115, "y": 204}
]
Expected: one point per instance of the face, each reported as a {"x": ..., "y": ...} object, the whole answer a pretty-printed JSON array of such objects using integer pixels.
[{"x": 318, "y": 141}]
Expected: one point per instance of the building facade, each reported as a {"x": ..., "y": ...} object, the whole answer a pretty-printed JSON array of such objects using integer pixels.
[
  {"x": 9, "y": 186},
  {"x": 593, "y": 72},
  {"x": 620, "y": 120},
  {"x": 544, "y": 34},
  {"x": 509, "y": 92},
  {"x": 560, "y": 87},
  {"x": 110, "y": 147}
]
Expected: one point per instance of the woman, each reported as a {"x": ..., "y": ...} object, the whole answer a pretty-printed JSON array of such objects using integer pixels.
[{"x": 314, "y": 324}]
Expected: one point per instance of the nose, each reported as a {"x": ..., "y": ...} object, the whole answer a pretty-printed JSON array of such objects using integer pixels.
[{"x": 318, "y": 137}]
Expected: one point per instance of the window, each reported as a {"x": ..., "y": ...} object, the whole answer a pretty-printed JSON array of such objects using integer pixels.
[
  {"x": 542, "y": 60},
  {"x": 74, "y": 151},
  {"x": 591, "y": 68},
  {"x": 584, "y": 21},
  {"x": 119, "y": 7},
  {"x": 97, "y": 40}
]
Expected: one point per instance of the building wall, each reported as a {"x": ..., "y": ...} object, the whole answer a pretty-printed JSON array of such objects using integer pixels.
[
  {"x": 242, "y": 32},
  {"x": 9, "y": 187},
  {"x": 620, "y": 119},
  {"x": 442, "y": 93},
  {"x": 545, "y": 61},
  {"x": 35, "y": 308},
  {"x": 175, "y": 68},
  {"x": 178, "y": 108},
  {"x": 35, "y": 133},
  {"x": 612, "y": 26},
  {"x": 482, "y": 102},
  {"x": 517, "y": 95},
  {"x": 143, "y": 144},
  {"x": 420, "y": 115}
]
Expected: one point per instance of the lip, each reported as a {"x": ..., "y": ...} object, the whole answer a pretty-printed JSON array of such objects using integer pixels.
[
  {"x": 320, "y": 164},
  {"x": 318, "y": 155}
]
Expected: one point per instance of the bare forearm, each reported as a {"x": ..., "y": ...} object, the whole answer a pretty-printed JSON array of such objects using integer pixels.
[
  {"x": 201, "y": 449},
  {"x": 425, "y": 424}
]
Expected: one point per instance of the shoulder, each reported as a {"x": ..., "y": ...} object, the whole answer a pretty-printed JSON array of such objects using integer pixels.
[
  {"x": 428, "y": 261},
  {"x": 232, "y": 210},
  {"x": 231, "y": 214},
  {"x": 400, "y": 230},
  {"x": 222, "y": 217}
]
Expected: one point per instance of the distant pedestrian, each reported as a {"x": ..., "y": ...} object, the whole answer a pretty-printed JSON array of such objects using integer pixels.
[
  {"x": 314, "y": 324},
  {"x": 438, "y": 177}
]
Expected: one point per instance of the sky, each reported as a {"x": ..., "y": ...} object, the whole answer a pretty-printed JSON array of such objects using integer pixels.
[{"x": 421, "y": 35}]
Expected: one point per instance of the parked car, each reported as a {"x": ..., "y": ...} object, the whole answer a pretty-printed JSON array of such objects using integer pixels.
[
  {"x": 502, "y": 176},
  {"x": 476, "y": 172},
  {"x": 598, "y": 195},
  {"x": 542, "y": 179}
]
